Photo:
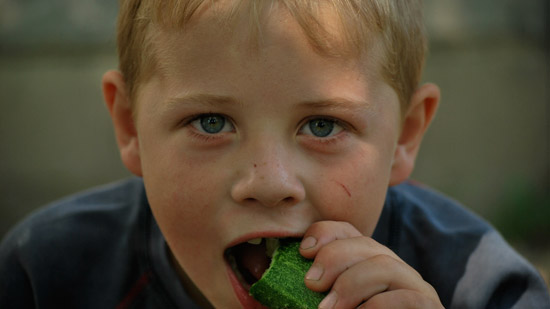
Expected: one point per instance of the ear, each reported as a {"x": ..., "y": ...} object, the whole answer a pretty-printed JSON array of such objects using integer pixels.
[
  {"x": 418, "y": 117},
  {"x": 118, "y": 103}
]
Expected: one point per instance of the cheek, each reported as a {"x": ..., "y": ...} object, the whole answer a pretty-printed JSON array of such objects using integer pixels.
[
  {"x": 184, "y": 207},
  {"x": 352, "y": 192},
  {"x": 181, "y": 200},
  {"x": 185, "y": 189}
]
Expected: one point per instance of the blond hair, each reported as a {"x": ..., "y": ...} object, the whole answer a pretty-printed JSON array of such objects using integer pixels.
[{"x": 397, "y": 24}]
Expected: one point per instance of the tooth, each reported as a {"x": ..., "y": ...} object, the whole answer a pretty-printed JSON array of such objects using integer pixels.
[
  {"x": 255, "y": 241},
  {"x": 271, "y": 245}
]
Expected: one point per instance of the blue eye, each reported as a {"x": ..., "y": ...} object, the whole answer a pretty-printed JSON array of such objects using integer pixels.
[
  {"x": 212, "y": 124},
  {"x": 321, "y": 127}
]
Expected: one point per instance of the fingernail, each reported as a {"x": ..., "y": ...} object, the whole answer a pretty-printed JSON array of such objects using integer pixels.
[
  {"x": 314, "y": 273},
  {"x": 308, "y": 242},
  {"x": 329, "y": 301}
]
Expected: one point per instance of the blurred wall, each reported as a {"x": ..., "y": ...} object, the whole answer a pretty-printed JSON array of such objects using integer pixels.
[
  {"x": 491, "y": 60},
  {"x": 55, "y": 133},
  {"x": 491, "y": 134}
]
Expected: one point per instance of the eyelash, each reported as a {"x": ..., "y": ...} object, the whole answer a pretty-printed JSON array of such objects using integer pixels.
[
  {"x": 205, "y": 137},
  {"x": 343, "y": 125},
  {"x": 330, "y": 140}
]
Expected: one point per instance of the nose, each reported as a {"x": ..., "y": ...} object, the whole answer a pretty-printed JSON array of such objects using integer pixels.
[{"x": 268, "y": 178}]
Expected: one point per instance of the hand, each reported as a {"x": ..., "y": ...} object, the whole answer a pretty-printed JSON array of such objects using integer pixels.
[{"x": 361, "y": 272}]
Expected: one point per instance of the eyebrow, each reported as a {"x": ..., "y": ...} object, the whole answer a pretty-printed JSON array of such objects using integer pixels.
[
  {"x": 203, "y": 99},
  {"x": 337, "y": 103}
]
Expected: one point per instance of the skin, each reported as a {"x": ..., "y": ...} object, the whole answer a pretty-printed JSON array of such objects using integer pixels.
[{"x": 266, "y": 174}]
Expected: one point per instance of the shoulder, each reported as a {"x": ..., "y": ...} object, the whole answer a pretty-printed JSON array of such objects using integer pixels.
[
  {"x": 81, "y": 243},
  {"x": 421, "y": 212},
  {"x": 459, "y": 253},
  {"x": 92, "y": 209},
  {"x": 425, "y": 219},
  {"x": 498, "y": 277}
]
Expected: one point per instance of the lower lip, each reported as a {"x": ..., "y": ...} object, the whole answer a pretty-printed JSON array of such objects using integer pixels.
[{"x": 242, "y": 295}]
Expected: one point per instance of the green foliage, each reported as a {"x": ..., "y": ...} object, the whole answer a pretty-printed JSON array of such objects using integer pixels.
[{"x": 524, "y": 215}]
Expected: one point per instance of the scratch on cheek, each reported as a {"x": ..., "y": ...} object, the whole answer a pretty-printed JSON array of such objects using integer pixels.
[{"x": 344, "y": 187}]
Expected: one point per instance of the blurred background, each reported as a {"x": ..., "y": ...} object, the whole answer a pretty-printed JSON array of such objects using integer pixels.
[{"x": 489, "y": 146}]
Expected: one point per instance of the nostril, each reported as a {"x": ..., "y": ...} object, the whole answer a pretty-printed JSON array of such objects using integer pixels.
[
  {"x": 288, "y": 200},
  {"x": 267, "y": 189}
]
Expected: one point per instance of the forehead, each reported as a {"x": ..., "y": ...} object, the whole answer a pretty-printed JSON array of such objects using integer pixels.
[
  {"x": 211, "y": 45},
  {"x": 244, "y": 27}
]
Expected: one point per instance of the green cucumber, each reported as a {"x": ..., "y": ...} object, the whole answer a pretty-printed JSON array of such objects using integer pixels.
[{"x": 282, "y": 285}]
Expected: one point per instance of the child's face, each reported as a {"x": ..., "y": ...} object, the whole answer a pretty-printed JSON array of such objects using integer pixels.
[{"x": 237, "y": 143}]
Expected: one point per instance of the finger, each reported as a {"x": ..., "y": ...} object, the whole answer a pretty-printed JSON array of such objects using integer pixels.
[
  {"x": 323, "y": 232},
  {"x": 401, "y": 299},
  {"x": 378, "y": 274},
  {"x": 340, "y": 255}
]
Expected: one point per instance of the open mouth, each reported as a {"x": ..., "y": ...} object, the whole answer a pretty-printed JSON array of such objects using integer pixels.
[{"x": 249, "y": 260}]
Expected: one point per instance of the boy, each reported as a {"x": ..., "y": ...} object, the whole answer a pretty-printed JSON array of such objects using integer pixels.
[{"x": 247, "y": 120}]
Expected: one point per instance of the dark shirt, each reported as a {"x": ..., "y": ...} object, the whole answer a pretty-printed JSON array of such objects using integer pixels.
[{"x": 103, "y": 249}]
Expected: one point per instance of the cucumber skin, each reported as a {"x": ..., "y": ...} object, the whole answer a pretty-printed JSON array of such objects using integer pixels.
[{"x": 282, "y": 285}]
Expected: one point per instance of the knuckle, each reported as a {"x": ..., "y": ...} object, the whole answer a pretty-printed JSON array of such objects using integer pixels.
[
  {"x": 347, "y": 225},
  {"x": 384, "y": 261},
  {"x": 318, "y": 228},
  {"x": 418, "y": 300},
  {"x": 312, "y": 229},
  {"x": 400, "y": 299},
  {"x": 330, "y": 252},
  {"x": 349, "y": 229},
  {"x": 369, "y": 242},
  {"x": 348, "y": 286},
  {"x": 374, "y": 303}
]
